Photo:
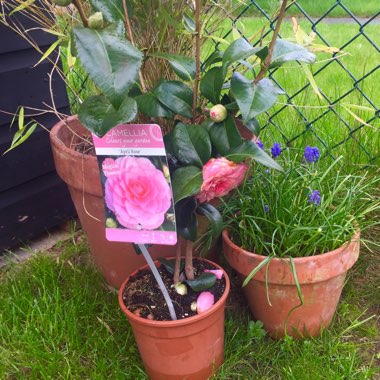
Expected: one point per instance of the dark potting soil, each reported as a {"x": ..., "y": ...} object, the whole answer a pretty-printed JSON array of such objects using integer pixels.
[{"x": 143, "y": 296}]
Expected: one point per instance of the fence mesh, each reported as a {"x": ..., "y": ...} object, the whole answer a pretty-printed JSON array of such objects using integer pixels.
[{"x": 346, "y": 119}]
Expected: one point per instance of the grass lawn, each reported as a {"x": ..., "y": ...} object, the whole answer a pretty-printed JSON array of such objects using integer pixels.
[
  {"x": 315, "y": 8},
  {"x": 59, "y": 321}
]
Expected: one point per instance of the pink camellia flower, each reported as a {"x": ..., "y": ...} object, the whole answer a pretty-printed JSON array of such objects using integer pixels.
[
  {"x": 220, "y": 176},
  {"x": 204, "y": 301},
  {"x": 138, "y": 193},
  {"x": 218, "y": 273}
]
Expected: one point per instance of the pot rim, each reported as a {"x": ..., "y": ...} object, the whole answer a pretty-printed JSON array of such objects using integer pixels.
[
  {"x": 61, "y": 145},
  {"x": 297, "y": 260},
  {"x": 179, "y": 322}
]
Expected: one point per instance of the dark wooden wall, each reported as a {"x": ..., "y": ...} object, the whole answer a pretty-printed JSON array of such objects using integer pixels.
[{"x": 32, "y": 197}]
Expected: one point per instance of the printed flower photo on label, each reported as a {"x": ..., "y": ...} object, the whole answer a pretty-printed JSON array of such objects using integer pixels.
[{"x": 137, "y": 193}]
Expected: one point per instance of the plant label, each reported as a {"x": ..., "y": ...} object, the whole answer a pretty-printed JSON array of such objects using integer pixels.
[{"x": 138, "y": 197}]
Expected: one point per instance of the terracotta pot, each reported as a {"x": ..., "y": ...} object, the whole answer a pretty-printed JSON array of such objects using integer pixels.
[
  {"x": 321, "y": 278},
  {"x": 81, "y": 173},
  {"x": 190, "y": 348}
]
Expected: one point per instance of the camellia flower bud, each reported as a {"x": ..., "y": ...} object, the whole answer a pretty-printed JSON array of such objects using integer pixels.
[
  {"x": 218, "y": 113},
  {"x": 110, "y": 223},
  {"x": 180, "y": 288},
  {"x": 95, "y": 21},
  {"x": 62, "y": 3}
]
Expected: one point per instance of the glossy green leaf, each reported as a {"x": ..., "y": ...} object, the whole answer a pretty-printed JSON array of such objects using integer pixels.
[
  {"x": 225, "y": 136},
  {"x": 211, "y": 84},
  {"x": 215, "y": 57},
  {"x": 253, "y": 99},
  {"x": 187, "y": 181},
  {"x": 203, "y": 282},
  {"x": 149, "y": 105},
  {"x": 187, "y": 223},
  {"x": 285, "y": 51},
  {"x": 112, "y": 10},
  {"x": 190, "y": 230},
  {"x": 201, "y": 141},
  {"x": 191, "y": 144},
  {"x": 188, "y": 23},
  {"x": 183, "y": 66},
  {"x": 253, "y": 126},
  {"x": 177, "y": 96},
  {"x": 214, "y": 217},
  {"x": 110, "y": 60},
  {"x": 238, "y": 50},
  {"x": 249, "y": 149},
  {"x": 98, "y": 115}
]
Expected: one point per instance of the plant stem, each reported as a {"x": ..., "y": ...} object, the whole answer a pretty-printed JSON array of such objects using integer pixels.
[
  {"x": 129, "y": 28},
  {"x": 265, "y": 66},
  {"x": 177, "y": 261},
  {"x": 189, "y": 269},
  {"x": 197, "y": 11},
  {"x": 78, "y": 6}
]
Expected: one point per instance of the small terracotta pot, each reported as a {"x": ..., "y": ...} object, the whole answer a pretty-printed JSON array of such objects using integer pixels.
[
  {"x": 321, "y": 278},
  {"x": 190, "y": 348},
  {"x": 80, "y": 171}
]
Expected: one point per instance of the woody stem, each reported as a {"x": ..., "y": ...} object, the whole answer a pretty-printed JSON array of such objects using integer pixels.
[
  {"x": 78, "y": 6},
  {"x": 267, "y": 61},
  {"x": 189, "y": 269},
  {"x": 129, "y": 28},
  {"x": 197, "y": 11},
  {"x": 177, "y": 262}
]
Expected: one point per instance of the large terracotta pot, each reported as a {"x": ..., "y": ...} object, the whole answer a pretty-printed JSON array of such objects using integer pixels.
[
  {"x": 81, "y": 174},
  {"x": 321, "y": 278},
  {"x": 190, "y": 348}
]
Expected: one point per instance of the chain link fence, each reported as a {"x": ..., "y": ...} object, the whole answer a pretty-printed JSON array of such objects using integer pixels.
[{"x": 344, "y": 119}]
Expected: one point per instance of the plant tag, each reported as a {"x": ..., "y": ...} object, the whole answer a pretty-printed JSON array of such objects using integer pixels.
[{"x": 138, "y": 197}]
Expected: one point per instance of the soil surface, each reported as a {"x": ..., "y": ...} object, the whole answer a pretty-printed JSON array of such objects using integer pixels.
[{"x": 143, "y": 297}]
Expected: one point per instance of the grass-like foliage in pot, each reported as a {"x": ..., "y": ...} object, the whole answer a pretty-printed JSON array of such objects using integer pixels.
[{"x": 310, "y": 208}]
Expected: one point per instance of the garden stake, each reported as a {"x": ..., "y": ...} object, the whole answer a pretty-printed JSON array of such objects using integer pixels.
[{"x": 159, "y": 281}]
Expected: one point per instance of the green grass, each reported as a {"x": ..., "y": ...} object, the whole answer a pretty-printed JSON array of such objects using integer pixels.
[
  {"x": 315, "y": 8},
  {"x": 59, "y": 321},
  {"x": 362, "y": 145}
]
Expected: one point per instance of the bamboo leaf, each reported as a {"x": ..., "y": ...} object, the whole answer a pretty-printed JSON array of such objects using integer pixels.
[
  {"x": 22, "y": 6},
  {"x": 49, "y": 51},
  {"x": 310, "y": 78}
]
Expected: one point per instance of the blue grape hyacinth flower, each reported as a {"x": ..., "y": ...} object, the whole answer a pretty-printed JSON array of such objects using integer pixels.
[
  {"x": 276, "y": 150},
  {"x": 315, "y": 197},
  {"x": 311, "y": 154},
  {"x": 260, "y": 144}
]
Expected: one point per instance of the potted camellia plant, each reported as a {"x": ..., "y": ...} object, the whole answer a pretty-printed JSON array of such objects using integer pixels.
[
  {"x": 293, "y": 235},
  {"x": 208, "y": 158}
]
